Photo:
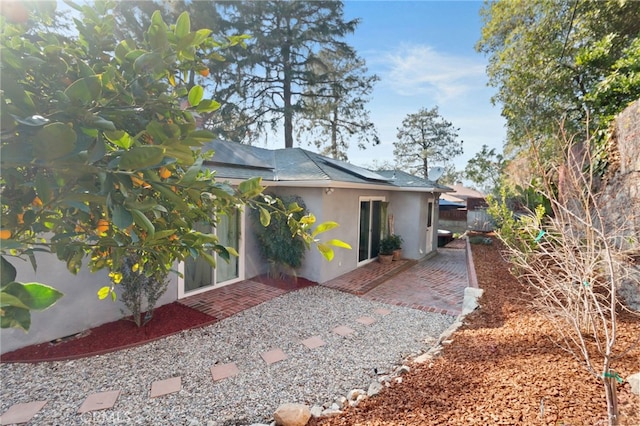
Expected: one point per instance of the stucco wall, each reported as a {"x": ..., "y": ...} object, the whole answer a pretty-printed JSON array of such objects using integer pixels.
[{"x": 79, "y": 308}]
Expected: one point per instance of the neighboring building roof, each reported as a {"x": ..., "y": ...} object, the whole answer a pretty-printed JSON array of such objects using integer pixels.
[
  {"x": 297, "y": 166},
  {"x": 461, "y": 193}
]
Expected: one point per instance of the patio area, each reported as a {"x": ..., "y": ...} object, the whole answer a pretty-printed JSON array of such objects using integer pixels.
[{"x": 434, "y": 285}]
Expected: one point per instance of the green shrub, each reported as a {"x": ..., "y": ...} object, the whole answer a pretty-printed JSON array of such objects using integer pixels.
[
  {"x": 387, "y": 246},
  {"x": 283, "y": 251},
  {"x": 396, "y": 241},
  {"x": 139, "y": 289}
]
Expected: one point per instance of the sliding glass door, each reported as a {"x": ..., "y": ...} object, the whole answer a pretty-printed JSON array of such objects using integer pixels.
[
  {"x": 199, "y": 276},
  {"x": 372, "y": 225}
]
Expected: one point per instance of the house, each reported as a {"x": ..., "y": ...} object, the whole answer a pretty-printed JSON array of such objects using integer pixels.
[
  {"x": 464, "y": 209},
  {"x": 360, "y": 200}
]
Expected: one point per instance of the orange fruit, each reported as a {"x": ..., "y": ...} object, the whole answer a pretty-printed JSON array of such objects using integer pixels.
[
  {"x": 173, "y": 237},
  {"x": 5, "y": 234},
  {"x": 204, "y": 72},
  {"x": 37, "y": 202},
  {"x": 15, "y": 12},
  {"x": 164, "y": 173},
  {"x": 103, "y": 226},
  {"x": 20, "y": 217}
]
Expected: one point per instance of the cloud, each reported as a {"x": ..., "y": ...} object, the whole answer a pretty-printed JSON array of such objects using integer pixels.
[{"x": 421, "y": 70}]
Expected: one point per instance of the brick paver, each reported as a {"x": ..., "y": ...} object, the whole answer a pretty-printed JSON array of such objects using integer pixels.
[
  {"x": 434, "y": 285},
  {"x": 229, "y": 300}
]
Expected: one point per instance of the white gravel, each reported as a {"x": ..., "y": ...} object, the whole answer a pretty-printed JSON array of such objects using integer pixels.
[{"x": 310, "y": 376}]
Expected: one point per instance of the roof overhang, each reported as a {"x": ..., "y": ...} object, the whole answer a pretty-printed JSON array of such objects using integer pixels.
[{"x": 338, "y": 184}]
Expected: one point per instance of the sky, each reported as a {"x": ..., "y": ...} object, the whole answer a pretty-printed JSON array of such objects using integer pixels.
[{"x": 423, "y": 52}]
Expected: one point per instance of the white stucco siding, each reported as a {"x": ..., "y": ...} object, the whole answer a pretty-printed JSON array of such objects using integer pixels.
[{"x": 79, "y": 309}]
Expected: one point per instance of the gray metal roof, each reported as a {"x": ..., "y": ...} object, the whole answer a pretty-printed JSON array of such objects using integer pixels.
[{"x": 236, "y": 161}]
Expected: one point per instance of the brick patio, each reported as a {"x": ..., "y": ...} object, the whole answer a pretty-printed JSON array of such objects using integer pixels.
[{"x": 433, "y": 285}]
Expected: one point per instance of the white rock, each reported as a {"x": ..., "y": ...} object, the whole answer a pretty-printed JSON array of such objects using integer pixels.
[
  {"x": 291, "y": 414},
  {"x": 384, "y": 379},
  {"x": 403, "y": 370},
  {"x": 316, "y": 411},
  {"x": 341, "y": 403},
  {"x": 634, "y": 381},
  {"x": 353, "y": 394},
  {"x": 336, "y": 407},
  {"x": 374, "y": 388},
  {"x": 330, "y": 412},
  {"x": 470, "y": 300},
  {"x": 398, "y": 380}
]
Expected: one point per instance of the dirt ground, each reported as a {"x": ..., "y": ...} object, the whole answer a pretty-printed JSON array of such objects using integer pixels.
[{"x": 502, "y": 368}]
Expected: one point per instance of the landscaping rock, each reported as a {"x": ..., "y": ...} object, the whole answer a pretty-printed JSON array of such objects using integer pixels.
[
  {"x": 330, "y": 412},
  {"x": 316, "y": 411},
  {"x": 634, "y": 381},
  {"x": 470, "y": 300},
  {"x": 341, "y": 403},
  {"x": 354, "y": 394},
  {"x": 292, "y": 415},
  {"x": 374, "y": 388}
]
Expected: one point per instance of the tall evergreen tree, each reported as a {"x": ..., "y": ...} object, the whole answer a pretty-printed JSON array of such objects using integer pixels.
[
  {"x": 267, "y": 80},
  {"x": 425, "y": 137},
  {"x": 335, "y": 105}
]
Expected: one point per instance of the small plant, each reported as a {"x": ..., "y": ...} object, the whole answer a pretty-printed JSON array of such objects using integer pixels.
[
  {"x": 387, "y": 246},
  {"x": 140, "y": 290},
  {"x": 283, "y": 251},
  {"x": 396, "y": 240}
]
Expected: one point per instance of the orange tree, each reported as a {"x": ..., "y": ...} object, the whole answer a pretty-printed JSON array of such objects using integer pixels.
[{"x": 100, "y": 157}]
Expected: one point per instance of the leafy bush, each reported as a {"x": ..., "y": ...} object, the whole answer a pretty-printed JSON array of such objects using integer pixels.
[
  {"x": 140, "y": 290},
  {"x": 396, "y": 240},
  {"x": 387, "y": 246},
  {"x": 284, "y": 251}
]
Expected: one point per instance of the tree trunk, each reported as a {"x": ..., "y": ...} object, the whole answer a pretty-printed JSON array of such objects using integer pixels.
[
  {"x": 612, "y": 398},
  {"x": 286, "y": 92},
  {"x": 334, "y": 133}
]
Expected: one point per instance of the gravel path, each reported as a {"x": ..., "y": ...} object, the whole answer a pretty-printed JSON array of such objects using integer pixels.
[{"x": 311, "y": 376}]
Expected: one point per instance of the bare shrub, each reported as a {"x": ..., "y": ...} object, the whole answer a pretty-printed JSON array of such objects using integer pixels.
[{"x": 576, "y": 265}]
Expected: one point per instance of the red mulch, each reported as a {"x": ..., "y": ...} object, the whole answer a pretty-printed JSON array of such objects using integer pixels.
[
  {"x": 167, "y": 319},
  {"x": 501, "y": 368}
]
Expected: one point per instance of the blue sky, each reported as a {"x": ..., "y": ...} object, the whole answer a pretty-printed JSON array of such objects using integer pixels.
[{"x": 423, "y": 52}]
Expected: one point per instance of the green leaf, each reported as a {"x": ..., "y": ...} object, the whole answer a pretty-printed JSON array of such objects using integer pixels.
[
  {"x": 8, "y": 272},
  {"x": 192, "y": 173},
  {"x": 14, "y": 317},
  {"x": 251, "y": 187},
  {"x": 43, "y": 188},
  {"x": 265, "y": 217},
  {"x": 200, "y": 36},
  {"x": 102, "y": 123},
  {"x": 53, "y": 141},
  {"x": 119, "y": 138},
  {"x": 85, "y": 90},
  {"x": 164, "y": 234},
  {"x": 324, "y": 227},
  {"x": 195, "y": 95},
  {"x": 97, "y": 151},
  {"x": 121, "y": 217},
  {"x": 7, "y": 299},
  {"x": 208, "y": 105},
  {"x": 143, "y": 221},
  {"x": 104, "y": 292},
  {"x": 338, "y": 243},
  {"x": 141, "y": 157},
  {"x": 35, "y": 296},
  {"x": 148, "y": 63},
  {"x": 183, "y": 25},
  {"x": 326, "y": 251}
]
